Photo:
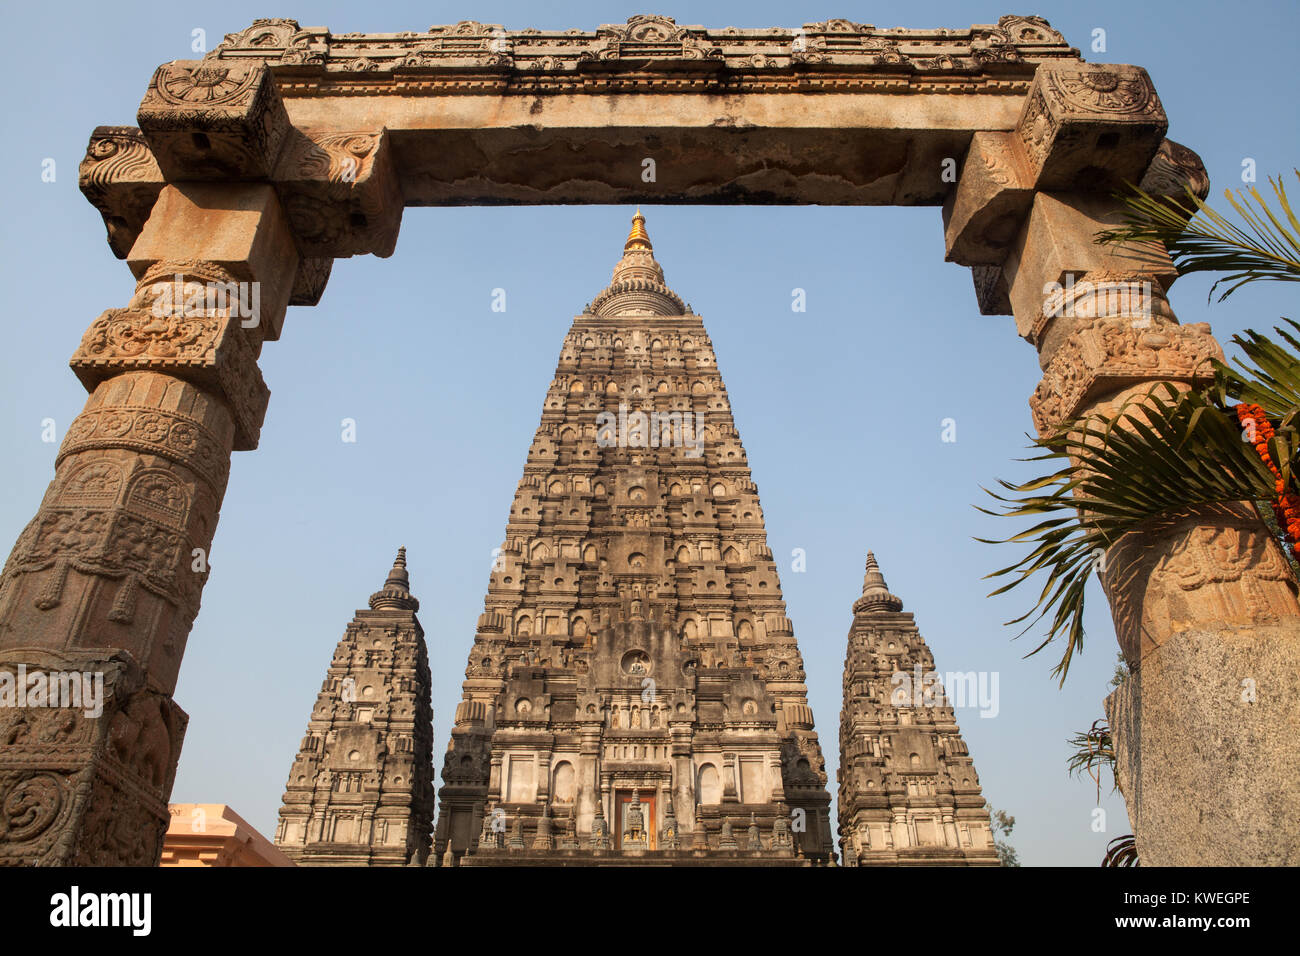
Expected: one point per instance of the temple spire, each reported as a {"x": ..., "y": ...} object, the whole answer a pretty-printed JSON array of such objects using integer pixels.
[
  {"x": 396, "y": 592},
  {"x": 875, "y": 593},
  {"x": 638, "y": 238},
  {"x": 637, "y": 286}
]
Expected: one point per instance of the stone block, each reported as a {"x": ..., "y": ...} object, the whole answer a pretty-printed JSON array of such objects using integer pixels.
[
  {"x": 1090, "y": 126},
  {"x": 983, "y": 215},
  {"x": 1057, "y": 247},
  {"x": 214, "y": 120},
  {"x": 238, "y": 227}
]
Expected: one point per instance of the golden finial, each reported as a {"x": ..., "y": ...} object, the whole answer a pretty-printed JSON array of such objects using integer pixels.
[{"x": 638, "y": 238}]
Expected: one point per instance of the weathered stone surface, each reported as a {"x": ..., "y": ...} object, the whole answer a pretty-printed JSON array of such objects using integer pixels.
[
  {"x": 360, "y": 791},
  {"x": 1090, "y": 126},
  {"x": 985, "y": 212},
  {"x": 242, "y": 229},
  {"x": 1056, "y": 249},
  {"x": 207, "y": 119},
  {"x": 1204, "y": 733},
  {"x": 909, "y": 794}
]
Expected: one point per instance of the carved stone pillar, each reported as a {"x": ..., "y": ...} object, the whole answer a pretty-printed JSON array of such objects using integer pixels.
[
  {"x": 104, "y": 583},
  {"x": 1204, "y": 604}
]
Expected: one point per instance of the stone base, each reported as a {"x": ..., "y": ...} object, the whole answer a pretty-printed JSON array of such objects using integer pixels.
[
  {"x": 503, "y": 857},
  {"x": 1205, "y": 741},
  {"x": 929, "y": 856}
]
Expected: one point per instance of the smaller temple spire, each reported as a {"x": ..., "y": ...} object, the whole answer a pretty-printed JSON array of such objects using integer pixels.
[
  {"x": 395, "y": 595},
  {"x": 875, "y": 593}
]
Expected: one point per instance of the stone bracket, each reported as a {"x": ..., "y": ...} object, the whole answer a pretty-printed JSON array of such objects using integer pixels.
[
  {"x": 121, "y": 178},
  {"x": 340, "y": 192}
]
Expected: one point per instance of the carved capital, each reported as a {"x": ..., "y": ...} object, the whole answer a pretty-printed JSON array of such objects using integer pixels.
[
  {"x": 1108, "y": 354},
  {"x": 172, "y": 327},
  {"x": 340, "y": 193},
  {"x": 1089, "y": 126},
  {"x": 214, "y": 119},
  {"x": 122, "y": 180}
]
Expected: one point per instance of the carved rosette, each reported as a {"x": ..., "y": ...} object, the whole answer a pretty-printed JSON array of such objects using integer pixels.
[
  {"x": 1217, "y": 567},
  {"x": 122, "y": 180},
  {"x": 1089, "y": 126},
  {"x": 1111, "y": 353},
  {"x": 214, "y": 119},
  {"x": 340, "y": 193},
  {"x": 82, "y": 788}
]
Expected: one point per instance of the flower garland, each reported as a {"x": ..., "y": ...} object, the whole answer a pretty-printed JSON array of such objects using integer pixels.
[{"x": 1287, "y": 505}]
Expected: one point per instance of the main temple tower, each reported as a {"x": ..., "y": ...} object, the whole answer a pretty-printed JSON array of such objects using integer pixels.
[{"x": 634, "y": 689}]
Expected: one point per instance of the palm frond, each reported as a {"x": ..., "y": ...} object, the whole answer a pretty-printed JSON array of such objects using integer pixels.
[
  {"x": 1121, "y": 851},
  {"x": 1163, "y": 453},
  {"x": 1200, "y": 239}
]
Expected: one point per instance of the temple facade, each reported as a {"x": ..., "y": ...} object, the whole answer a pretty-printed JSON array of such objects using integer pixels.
[
  {"x": 908, "y": 791},
  {"x": 360, "y": 791},
  {"x": 634, "y": 690}
]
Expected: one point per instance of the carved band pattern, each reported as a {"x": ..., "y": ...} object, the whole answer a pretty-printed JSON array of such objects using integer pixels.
[{"x": 151, "y": 431}]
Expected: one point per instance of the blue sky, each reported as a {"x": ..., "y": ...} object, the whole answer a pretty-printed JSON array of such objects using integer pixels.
[{"x": 840, "y": 407}]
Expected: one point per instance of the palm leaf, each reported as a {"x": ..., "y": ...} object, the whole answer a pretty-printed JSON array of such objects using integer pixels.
[{"x": 1201, "y": 239}]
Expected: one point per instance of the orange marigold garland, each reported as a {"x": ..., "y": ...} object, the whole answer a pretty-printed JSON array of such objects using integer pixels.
[{"x": 1286, "y": 507}]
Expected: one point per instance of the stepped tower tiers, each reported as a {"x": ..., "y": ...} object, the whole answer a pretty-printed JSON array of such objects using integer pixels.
[
  {"x": 634, "y": 691},
  {"x": 909, "y": 794},
  {"x": 360, "y": 792}
]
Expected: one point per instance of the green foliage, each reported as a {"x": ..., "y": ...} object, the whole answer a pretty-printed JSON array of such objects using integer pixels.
[
  {"x": 1199, "y": 239},
  {"x": 1002, "y": 823}
]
